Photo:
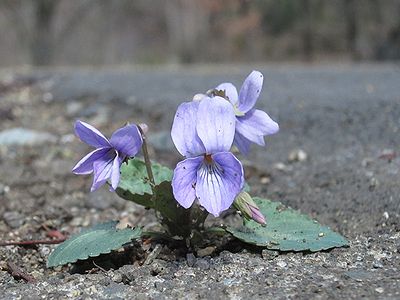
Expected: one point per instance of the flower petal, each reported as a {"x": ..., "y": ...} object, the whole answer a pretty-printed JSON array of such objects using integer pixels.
[
  {"x": 115, "y": 172},
  {"x": 250, "y": 91},
  {"x": 254, "y": 125},
  {"x": 127, "y": 140},
  {"x": 102, "y": 170},
  {"x": 216, "y": 124},
  {"x": 184, "y": 180},
  {"x": 230, "y": 91},
  {"x": 219, "y": 183},
  {"x": 242, "y": 143},
  {"x": 260, "y": 122},
  {"x": 183, "y": 131},
  {"x": 90, "y": 135},
  {"x": 85, "y": 165}
]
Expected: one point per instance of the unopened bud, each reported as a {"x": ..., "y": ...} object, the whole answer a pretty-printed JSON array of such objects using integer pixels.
[{"x": 245, "y": 204}]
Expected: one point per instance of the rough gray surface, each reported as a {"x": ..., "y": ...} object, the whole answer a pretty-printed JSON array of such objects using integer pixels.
[{"x": 345, "y": 118}]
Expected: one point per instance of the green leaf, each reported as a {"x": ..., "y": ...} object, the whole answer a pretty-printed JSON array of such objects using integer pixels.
[
  {"x": 134, "y": 184},
  {"x": 91, "y": 242},
  {"x": 287, "y": 230}
]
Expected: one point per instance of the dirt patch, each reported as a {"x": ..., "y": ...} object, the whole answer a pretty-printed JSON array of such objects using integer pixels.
[{"x": 348, "y": 179}]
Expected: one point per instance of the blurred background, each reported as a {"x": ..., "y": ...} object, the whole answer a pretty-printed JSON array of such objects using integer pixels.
[{"x": 117, "y": 32}]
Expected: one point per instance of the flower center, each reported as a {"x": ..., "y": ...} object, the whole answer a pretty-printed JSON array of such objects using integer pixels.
[
  {"x": 208, "y": 159},
  {"x": 238, "y": 113}
]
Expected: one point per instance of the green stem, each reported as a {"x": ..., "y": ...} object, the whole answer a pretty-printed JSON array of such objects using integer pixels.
[{"x": 147, "y": 161}]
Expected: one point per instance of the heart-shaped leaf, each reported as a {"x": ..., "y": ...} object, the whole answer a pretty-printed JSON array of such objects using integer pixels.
[
  {"x": 91, "y": 242},
  {"x": 134, "y": 184},
  {"x": 287, "y": 230}
]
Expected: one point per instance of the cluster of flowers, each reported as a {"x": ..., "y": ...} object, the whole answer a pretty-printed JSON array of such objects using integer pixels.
[{"x": 203, "y": 131}]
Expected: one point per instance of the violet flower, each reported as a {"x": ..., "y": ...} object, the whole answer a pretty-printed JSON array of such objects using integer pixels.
[
  {"x": 105, "y": 161},
  {"x": 203, "y": 132},
  {"x": 251, "y": 124}
]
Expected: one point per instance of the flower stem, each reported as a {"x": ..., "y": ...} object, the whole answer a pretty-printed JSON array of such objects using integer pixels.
[{"x": 147, "y": 160}]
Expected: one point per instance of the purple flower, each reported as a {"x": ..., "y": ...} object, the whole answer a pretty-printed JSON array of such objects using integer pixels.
[
  {"x": 105, "y": 161},
  {"x": 203, "y": 132},
  {"x": 251, "y": 124}
]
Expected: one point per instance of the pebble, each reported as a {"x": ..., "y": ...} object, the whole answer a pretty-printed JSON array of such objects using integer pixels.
[
  {"x": 191, "y": 259},
  {"x": 269, "y": 254},
  {"x": 203, "y": 264},
  {"x": 281, "y": 167},
  {"x": 265, "y": 180},
  {"x": 13, "y": 219},
  {"x": 23, "y": 136},
  {"x": 117, "y": 277},
  {"x": 281, "y": 264},
  {"x": 4, "y": 189},
  {"x": 44, "y": 251},
  {"x": 297, "y": 155},
  {"x": 206, "y": 251}
]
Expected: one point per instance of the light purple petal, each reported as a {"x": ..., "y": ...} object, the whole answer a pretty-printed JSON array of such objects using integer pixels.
[
  {"x": 219, "y": 183},
  {"x": 230, "y": 91},
  {"x": 115, "y": 172},
  {"x": 216, "y": 124},
  {"x": 242, "y": 143},
  {"x": 260, "y": 121},
  {"x": 90, "y": 135},
  {"x": 85, "y": 165},
  {"x": 102, "y": 170},
  {"x": 250, "y": 91},
  {"x": 184, "y": 180},
  {"x": 254, "y": 125},
  {"x": 183, "y": 131},
  {"x": 127, "y": 140}
]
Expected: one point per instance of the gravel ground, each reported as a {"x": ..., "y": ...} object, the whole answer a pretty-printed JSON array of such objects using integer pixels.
[{"x": 334, "y": 159}]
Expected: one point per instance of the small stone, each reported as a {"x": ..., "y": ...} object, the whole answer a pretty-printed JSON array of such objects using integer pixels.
[
  {"x": 44, "y": 251},
  {"x": 373, "y": 182},
  {"x": 377, "y": 265},
  {"x": 191, "y": 259},
  {"x": 4, "y": 189},
  {"x": 265, "y": 180},
  {"x": 203, "y": 264},
  {"x": 379, "y": 290},
  {"x": 281, "y": 264},
  {"x": 206, "y": 251},
  {"x": 297, "y": 155},
  {"x": 386, "y": 215},
  {"x": 366, "y": 162},
  {"x": 13, "y": 219},
  {"x": 269, "y": 254},
  {"x": 280, "y": 166},
  {"x": 117, "y": 277}
]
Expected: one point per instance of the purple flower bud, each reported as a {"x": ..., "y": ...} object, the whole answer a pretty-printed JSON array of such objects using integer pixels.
[{"x": 245, "y": 204}]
